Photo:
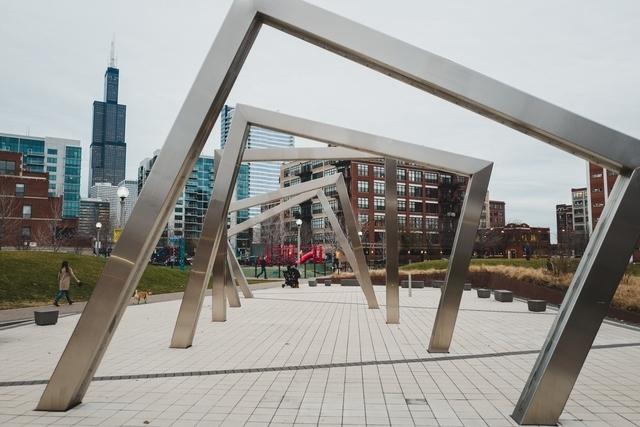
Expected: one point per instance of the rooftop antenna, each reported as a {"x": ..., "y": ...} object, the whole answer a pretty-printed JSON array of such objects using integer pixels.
[{"x": 112, "y": 56}]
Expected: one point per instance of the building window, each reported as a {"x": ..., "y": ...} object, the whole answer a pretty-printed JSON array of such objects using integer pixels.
[
  {"x": 317, "y": 223},
  {"x": 52, "y": 151},
  {"x": 363, "y": 203},
  {"x": 333, "y": 203},
  {"x": 446, "y": 179},
  {"x": 378, "y": 203},
  {"x": 414, "y": 176},
  {"x": 431, "y": 208},
  {"x": 431, "y": 177},
  {"x": 25, "y": 232},
  {"x": 378, "y": 187},
  {"x": 331, "y": 171},
  {"x": 52, "y": 160},
  {"x": 400, "y": 188},
  {"x": 431, "y": 193},
  {"x": 402, "y": 205},
  {"x": 431, "y": 223},
  {"x": 330, "y": 190},
  {"x": 415, "y": 222},
  {"x": 316, "y": 208},
  {"x": 19, "y": 190},
  {"x": 26, "y": 211},
  {"x": 378, "y": 172},
  {"x": 363, "y": 186},
  {"x": 363, "y": 218},
  {"x": 415, "y": 191},
  {"x": 415, "y": 206},
  {"x": 402, "y": 223},
  {"x": 363, "y": 170},
  {"x": 7, "y": 167},
  {"x": 378, "y": 220},
  {"x": 52, "y": 169},
  {"x": 401, "y": 174}
]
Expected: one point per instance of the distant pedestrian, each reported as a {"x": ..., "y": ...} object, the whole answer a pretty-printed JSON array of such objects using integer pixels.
[
  {"x": 263, "y": 267},
  {"x": 64, "y": 279}
]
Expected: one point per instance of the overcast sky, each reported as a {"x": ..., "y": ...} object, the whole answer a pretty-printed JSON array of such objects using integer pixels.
[{"x": 579, "y": 54}]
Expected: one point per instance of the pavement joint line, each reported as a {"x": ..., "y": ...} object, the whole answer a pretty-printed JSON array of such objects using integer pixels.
[{"x": 317, "y": 366}]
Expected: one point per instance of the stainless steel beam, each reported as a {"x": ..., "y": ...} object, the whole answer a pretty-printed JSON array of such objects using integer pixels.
[
  {"x": 238, "y": 274},
  {"x": 304, "y": 153},
  {"x": 424, "y": 70},
  {"x": 391, "y": 240},
  {"x": 353, "y": 251},
  {"x": 270, "y": 213},
  {"x": 293, "y": 190},
  {"x": 584, "y": 306},
  {"x": 218, "y": 298},
  {"x": 212, "y": 240},
  {"x": 461, "y": 253},
  {"x": 230, "y": 288}
]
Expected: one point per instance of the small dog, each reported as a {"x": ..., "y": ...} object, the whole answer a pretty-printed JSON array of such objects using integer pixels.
[{"x": 141, "y": 295}]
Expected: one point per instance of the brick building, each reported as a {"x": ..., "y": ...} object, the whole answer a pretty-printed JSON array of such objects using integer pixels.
[
  {"x": 28, "y": 215},
  {"x": 496, "y": 213},
  {"x": 429, "y": 204},
  {"x": 564, "y": 224},
  {"x": 513, "y": 241}
]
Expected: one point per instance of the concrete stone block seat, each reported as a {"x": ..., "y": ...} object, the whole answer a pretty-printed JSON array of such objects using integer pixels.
[
  {"x": 537, "y": 305},
  {"x": 349, "y": 282},
  {"x": 312, "y": 282},
  {"x": 327, "y": 282},
  {"x": 437, "y": 283},
  {"x": 415, "y": 284},
  {"x": 503, "y": 296},
  {"x": 46, "y": 317},
  {"x": 484, "y": 293},
  {"x": 467, "y": 286}
]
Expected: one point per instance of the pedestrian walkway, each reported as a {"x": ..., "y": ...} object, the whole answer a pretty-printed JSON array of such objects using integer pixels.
[{"x": 319, "y": 356}]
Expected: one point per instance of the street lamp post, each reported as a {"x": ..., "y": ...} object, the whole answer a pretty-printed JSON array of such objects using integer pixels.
[
  {"x": 299, "y": 224},
  {"x": 98, "y": 227},
  {"x": 123, "y": 193}
]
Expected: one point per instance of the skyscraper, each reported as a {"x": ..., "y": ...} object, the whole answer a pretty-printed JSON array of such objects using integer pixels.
[
  {"x": 108, "y": 147},
  {"x": 253, "y": 178}
]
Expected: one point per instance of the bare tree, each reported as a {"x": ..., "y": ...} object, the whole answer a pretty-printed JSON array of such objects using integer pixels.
[
  {"x": 53, "y": 234},
  {"x": 9, "y": 210}
]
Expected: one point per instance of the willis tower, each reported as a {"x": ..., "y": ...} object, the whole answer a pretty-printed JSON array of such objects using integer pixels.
[{"x": 108, "y": 147}]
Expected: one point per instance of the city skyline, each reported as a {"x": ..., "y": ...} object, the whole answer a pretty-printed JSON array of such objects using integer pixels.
[{"x": 530, "y": 191}]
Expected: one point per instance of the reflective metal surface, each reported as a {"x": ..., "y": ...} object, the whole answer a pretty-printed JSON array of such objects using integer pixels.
[
  {"x": 584, "y": 306},
  {"x": 237, "y": 273},
  {"x": 461, "y": 253},
  {"x": 211, "y": 240},
  {"x": 392, "y": 240},
  {"x": 230, "y": 288},
  {"x": 218, "y": 293},
  {"x": 424, "y": 70},
  {"x": 304, "y": 153}
]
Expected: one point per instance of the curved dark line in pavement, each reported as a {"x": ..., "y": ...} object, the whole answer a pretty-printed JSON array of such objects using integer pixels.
[{"x": 319, "y": 366}]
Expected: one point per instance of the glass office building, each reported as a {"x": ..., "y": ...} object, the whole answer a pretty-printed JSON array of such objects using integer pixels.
[
  {"x": 191, "y": 207},
  {"x": 254, "y": 178},
  {"x": 59, "y": 157},
  {"x": 108, "y": 147}
]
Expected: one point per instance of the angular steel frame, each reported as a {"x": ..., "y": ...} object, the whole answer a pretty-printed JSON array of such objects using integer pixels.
[{"x": 431, "y": 73}]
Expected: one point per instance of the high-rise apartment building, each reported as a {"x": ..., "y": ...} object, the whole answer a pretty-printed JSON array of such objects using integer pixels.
[
  {"x": 496, "y": 213},
  {"x": 93, "y": 211},
  {"x": 429, "y": 204},
  {"x": 191, "y": 207},
  {"x": 580, "y": 210},
  {"x": 254, "y": 178},
  {"x": 60, "y": 158},
  {"x": 107, "y": 192},
  {"x": 108, "y": 147},
  {"x": 601, "y": 183}
]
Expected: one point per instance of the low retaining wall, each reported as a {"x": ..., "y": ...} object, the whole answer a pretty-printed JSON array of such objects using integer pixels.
[{"x": 520, "y": 288}]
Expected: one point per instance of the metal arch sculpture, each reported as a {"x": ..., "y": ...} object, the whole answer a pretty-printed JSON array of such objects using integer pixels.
[
  {"x": 584, "y": 307},
  {"x": 349, "y": 144}
]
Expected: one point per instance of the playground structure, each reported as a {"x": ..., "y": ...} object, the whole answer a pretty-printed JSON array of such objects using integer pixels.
[{"x": 594, "y": 283}]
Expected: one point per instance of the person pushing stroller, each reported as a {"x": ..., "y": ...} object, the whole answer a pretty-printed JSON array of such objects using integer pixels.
[{"x": 291, "y": 276}]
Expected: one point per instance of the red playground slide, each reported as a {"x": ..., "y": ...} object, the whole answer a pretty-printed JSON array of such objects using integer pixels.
[{"x": 306, "y": 257}]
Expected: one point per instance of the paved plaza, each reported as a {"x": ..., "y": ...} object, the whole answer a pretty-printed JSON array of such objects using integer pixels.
[{"x": 318, "y": 356}]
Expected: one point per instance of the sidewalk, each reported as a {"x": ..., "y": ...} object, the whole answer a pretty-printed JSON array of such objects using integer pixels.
[{"x": 21, "y": 315}]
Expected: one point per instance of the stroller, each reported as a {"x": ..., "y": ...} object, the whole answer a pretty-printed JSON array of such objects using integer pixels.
[{"x": 291, "y": 276}]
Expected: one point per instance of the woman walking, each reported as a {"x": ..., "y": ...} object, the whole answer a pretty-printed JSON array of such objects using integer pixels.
[{"x": 64, "y": 279}]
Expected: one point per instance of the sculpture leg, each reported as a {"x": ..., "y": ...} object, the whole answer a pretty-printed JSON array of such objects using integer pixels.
[
  {"x": 214, "y": 226},
  {"x": 461, "y": 253},
  {"x": 230, "y": 288},
  {"x": 238, "y": 274},
  {"x": 218, "y": 286},
  {"x": 584, "y": 306},
  {"x": 391, "y": 240}
]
